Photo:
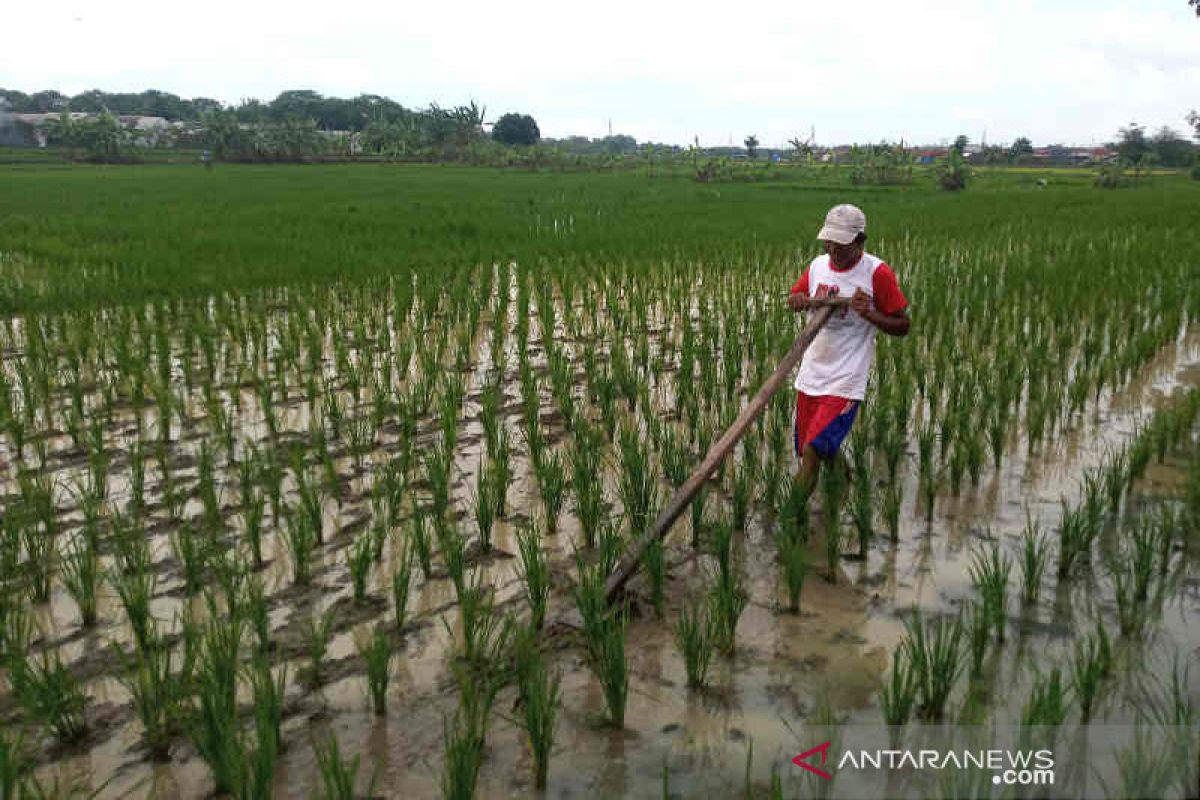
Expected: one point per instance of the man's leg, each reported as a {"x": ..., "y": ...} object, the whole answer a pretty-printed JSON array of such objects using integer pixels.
[
  {"x": 810, "y": 463},
  {"x": 810, "y": 467}
]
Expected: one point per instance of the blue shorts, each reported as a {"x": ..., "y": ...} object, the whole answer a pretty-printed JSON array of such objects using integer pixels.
[{"x": 823, "y": 421}]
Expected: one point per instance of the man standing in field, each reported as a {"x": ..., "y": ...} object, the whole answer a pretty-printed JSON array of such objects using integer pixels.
[{"x": 833, "y": 375}]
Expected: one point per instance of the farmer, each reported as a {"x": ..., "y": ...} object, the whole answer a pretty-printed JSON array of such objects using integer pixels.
[{"x": 833, "y": 375}]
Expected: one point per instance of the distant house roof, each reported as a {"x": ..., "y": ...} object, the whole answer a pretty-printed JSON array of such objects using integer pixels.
[{"x": 144, "y": 123}]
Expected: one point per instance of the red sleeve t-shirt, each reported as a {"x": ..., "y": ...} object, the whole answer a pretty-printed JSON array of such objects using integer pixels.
[{"x": 886, "y": 289}]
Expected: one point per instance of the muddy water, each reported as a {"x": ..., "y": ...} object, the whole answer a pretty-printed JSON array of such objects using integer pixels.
[{"x": 787, "y": 669}]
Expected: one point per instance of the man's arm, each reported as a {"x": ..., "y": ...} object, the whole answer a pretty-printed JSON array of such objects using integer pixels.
[
  {"x": 894, "y": 324},
  {"x": 888, "y": 309},
  {"x": 798, "y": 299}
]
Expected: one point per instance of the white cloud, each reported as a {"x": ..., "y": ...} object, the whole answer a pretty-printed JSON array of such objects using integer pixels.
[{"x": 1068, "y": 71}]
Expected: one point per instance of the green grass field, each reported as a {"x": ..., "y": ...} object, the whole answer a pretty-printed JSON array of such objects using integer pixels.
[{"x": 83, "y": 235}]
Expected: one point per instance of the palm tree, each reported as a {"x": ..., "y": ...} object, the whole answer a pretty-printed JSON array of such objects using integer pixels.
[{"x": 751, "y": 143}]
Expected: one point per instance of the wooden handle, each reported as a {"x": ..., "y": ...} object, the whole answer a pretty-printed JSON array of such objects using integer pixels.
[{"x": 724, "y": 446}]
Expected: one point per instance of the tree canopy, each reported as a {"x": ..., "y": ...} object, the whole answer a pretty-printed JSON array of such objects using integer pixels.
[
  {"x": 513, "y": 128},
  {"x": 1166, "y": 147},
  {"x": 1022, "y": 148}
]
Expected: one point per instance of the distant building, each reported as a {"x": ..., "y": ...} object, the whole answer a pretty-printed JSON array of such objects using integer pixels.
[
  {"x": 147, "y": 131},
  {"x": 928, "y": 155},
  {"x": 1072, "y": 156}
]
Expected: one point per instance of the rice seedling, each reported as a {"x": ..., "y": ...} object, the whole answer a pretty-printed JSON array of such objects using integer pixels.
[
  {"x": 893, "y": 498},
  {"x": 1074, "y": 541},
  {"x": 1146, "y": 768},
  {"x": 401, "y": 579},
  {"x": 419, "y": 537},
  {"x": 318, "y": 630},
  {"x": 463, "y": 755},
  {"x": 934, "y": 651},
  {"x": 1035, "y": 553},
  {"x": 552, "y": 485},
  {"x": 727, "y": 601},
  {"x": 41, "y": 557},
  {"x": 589, "y": 597},
  {"x": 638, "y": 487},
  {"x": 489, "y": 412},
  {"x": 376, "y": 653},
  {"x": 609, "y": 547},
  {"x": 586, "y": 483},
  {"x": 989, "y": 574},
  {"x": 267, "y": 691},
  {"x": 258, "y": 613},
  {"x": 722, "y": 544},
  {"x": 81, "y": 576},
  {"x": 1047, "y": 704},
  {"x": 1092, "y": 662},
  {"x": 271, "y": 474},
  {"x": 252, "y": 525},
  {"x": 833, "y": 486},
  {"x": 1143, "y": 556},
  {"x": 861, "y": 503},
  {"x": 979, "y": 633},
  {"x": 502, "y": 471},
  {"x": 693, "y": 637},
  {"x": 338, "y": 776},
  {"x": 606, "y": 654},
  {"x": 1132, "y": 614},
  {"x": 360, "y": 438},
  {"x": 300, "y": 538},
  {"x": 207, "y": 489},
  {"x": 1167, "y": 528},
  {"x": 159, "y": 685},
  {"x": 359, "y": 557},
  {"x": 535, "y": 572},
  {"x": 135, "y": 589},
  {"x": 192, "y": 552},
  {"x": 14, "y": 763},
  {"x": 793, "y": 555},
  {"x": 484, "y": 502},
  {"x": 927, "y": 487},
  {"x": 697, "y": 517},
  {"x": 898, "y": 695},
  {"x": 743, "y": 487},
  {"x": 674, "y": 456},
  {"x": 485, "y": 633},
  {"x": 539, "y": 697},
  {"x": 50, "y": 694},
  {"x": 437, "y": 462},
  {"x": 311, "y": 504},
  {"x": 452, "y": 546}
]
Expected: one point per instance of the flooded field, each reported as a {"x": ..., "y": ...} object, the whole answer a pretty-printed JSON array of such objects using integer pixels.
[{"x": 228, "y": 520}]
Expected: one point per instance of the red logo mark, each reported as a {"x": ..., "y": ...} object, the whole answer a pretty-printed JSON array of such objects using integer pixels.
[{"x": 802, "y": 760}]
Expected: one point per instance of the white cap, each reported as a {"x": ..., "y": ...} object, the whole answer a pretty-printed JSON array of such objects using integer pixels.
[{"x": 843, "y": 224}]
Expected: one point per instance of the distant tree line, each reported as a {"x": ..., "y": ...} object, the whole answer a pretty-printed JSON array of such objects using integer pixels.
[
  {"x": 150, "y": 103},
  {"x": 328, "y": 113},
  {"x": 298, "y": 124},
  {"x": 1165, "y": 148}
]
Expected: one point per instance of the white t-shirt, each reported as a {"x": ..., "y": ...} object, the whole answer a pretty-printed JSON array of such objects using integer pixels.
[{"x": 838, "y": 361}]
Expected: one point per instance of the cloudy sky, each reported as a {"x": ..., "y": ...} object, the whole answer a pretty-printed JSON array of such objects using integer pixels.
[{"x": 1068, "y": 71}]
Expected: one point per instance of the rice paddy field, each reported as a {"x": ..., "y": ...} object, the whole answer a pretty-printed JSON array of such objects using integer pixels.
[{"x": 311, "y": 478}]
